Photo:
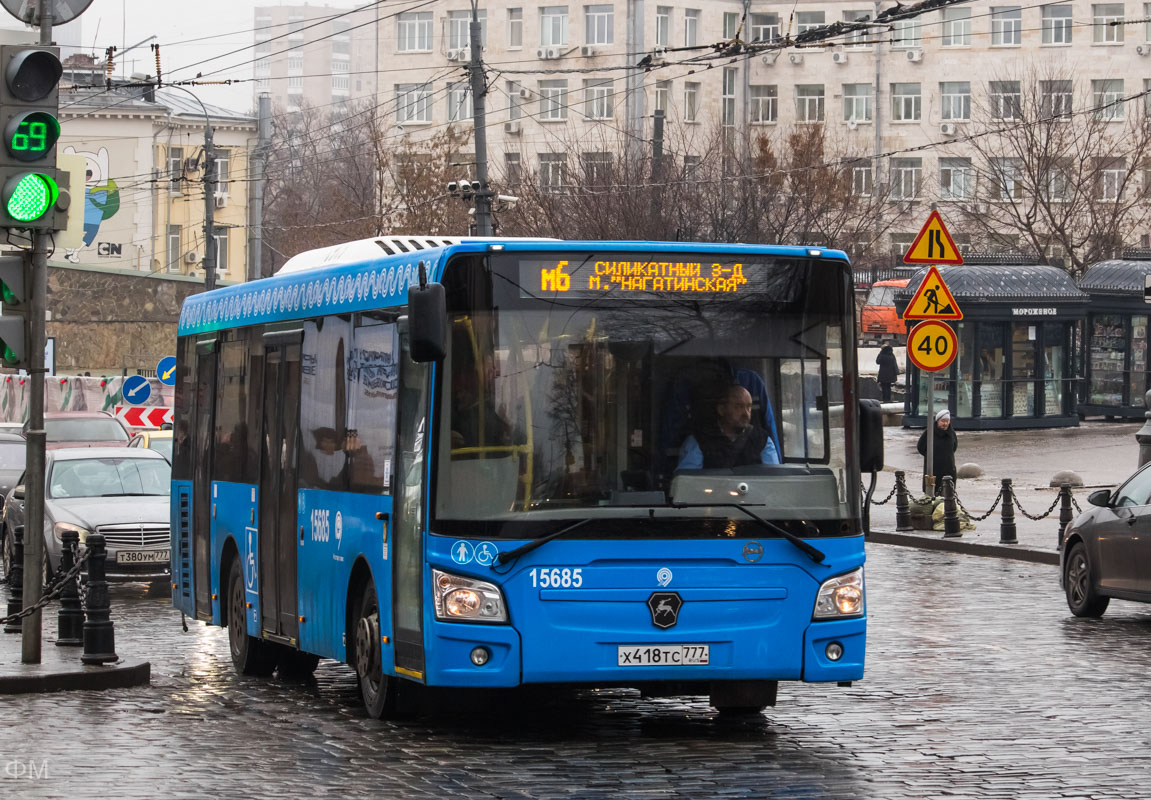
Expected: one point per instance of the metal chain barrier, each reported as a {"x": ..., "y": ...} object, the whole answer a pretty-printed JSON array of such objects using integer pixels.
[
  {"x": 884, "y": 501},
  {"x": 1035, "y": 517},
  {"x": 55, "y": 588},
  {"x": 982, "y": 517},
  {"x": 1075, "y": 503}
]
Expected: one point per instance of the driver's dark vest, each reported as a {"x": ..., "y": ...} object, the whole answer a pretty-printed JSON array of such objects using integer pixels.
[{"x": 720, "y": 452}]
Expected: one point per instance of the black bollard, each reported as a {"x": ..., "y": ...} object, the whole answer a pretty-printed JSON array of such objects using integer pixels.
[
  {"x": 70, "y": 618},
  {"x": 99, "y": 638},
  {"x": 16, "y": 581},
  {"x": 902, "y": 503},
  {"x": 950, "y": 509},
  {"x": 1065, "y": 515},
  {"x": 1007, "y": 533}
]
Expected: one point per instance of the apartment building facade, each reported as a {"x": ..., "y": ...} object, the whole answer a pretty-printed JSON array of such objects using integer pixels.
[
  {"x": 320, "y": 57},
  {"x": 907, "y": 93}
]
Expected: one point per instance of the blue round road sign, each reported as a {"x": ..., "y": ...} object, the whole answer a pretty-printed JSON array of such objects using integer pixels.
[
  {"x": 166, "y": 370},
  {"x": 137, "y": 390}
]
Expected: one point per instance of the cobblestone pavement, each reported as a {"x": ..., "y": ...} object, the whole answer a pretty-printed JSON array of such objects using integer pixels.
[{"x": 979, "y": 684}]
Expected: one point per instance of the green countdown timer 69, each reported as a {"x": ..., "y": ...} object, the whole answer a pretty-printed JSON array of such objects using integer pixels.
[{"x": 31, "y": 136}]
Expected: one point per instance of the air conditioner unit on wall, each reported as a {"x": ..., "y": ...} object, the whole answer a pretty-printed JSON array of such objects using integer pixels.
[
  {"x": 852, "y": 124},
  {"x": 839, "y": 58},
  {"x": 947, "y": 128},
  {"x": 587, "y": 51},
  {"x": 547, "y": 53},
  {"x": 796, "y": 58},
  {"x": 659, "y": 55},
  {"x": 460, "y": 54},
  {"x": 769, "y": 57},
  {"x": 915, "y": 55},
  {"x": 1143, "y": 49},
  {"x": 513, "y": 128},
  {"x": 191, "y": 257},
  {"x": 221, "y": 200}
]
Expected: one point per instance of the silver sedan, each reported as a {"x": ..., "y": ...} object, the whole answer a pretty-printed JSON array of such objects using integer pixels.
[{"x": 120, "y": 493}]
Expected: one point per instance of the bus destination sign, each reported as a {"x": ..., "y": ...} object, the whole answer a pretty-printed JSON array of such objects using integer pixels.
[{"x": 636, "y": 275}]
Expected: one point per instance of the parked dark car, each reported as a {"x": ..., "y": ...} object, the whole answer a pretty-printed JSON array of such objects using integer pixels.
[
  {"x": 83, "y": 429},
  {"x": 1108, "y": 547},
  {"x": 12, "y": 452}
]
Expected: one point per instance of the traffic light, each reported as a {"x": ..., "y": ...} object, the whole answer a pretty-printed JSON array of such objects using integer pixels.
[
  {"x": 15, "y": 281},
  {"x": 30, "y": 195}
]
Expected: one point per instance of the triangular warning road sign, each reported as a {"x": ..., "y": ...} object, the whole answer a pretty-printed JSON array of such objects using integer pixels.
[
  {"x": 933, "y": 245},
  {"x": 933, "y": 300}
]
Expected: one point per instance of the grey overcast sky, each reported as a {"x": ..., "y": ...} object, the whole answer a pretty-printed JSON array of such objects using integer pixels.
[{"x": 175, "y": 23}]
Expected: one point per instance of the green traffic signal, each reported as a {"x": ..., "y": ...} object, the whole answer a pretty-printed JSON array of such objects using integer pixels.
[
  {"x": 31, "y": 136},
  {"x": 29, "y": 196}
]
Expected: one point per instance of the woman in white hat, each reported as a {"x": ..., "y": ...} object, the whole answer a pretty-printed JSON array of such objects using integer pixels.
[{"x": 943, "y": 449}]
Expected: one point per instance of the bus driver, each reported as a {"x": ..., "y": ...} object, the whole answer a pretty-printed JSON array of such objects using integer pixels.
[{"x": 732, "y": 440}]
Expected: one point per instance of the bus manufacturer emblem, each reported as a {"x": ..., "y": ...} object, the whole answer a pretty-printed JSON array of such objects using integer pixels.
[
  {"x": 753, "y": 551},
  {"x": 665, "y": 608}
]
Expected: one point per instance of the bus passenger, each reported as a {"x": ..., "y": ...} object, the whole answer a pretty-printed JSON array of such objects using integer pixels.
[{"x": 731, "y": 440}]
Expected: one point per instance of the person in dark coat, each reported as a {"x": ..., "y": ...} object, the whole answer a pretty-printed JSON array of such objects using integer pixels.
[
  {"x": 888, "y": 370},
  {"x": 943, "y": 450}
]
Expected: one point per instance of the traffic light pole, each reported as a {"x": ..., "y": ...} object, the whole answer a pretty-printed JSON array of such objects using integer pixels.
[
  {"x": 483, "y": 198},
  {"x": 34, "y": 470}
]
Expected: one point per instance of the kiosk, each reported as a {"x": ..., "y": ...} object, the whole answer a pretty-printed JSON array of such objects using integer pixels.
[{"x": 1115, "y": 342}]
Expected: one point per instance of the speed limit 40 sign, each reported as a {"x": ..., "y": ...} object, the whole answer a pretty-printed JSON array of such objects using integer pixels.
[{"x": 932, "y": 345}]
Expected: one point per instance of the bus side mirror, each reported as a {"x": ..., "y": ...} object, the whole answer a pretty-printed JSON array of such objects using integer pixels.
[
  {"x": 870, "y": 436},
  {"x": 427, "y": 322}
]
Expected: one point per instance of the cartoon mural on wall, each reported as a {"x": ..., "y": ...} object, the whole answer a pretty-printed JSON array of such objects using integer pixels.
[{"x": 101, "y": 197}]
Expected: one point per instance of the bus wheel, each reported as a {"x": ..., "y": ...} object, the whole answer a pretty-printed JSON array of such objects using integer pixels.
[
  {"x": 377, "y": 691},
  {"x": 1082, "y": 598},
  {"x": 251, "y": 656}
]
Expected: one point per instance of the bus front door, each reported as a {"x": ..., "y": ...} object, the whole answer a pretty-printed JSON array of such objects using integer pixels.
[{"x": 281, "y": 406}]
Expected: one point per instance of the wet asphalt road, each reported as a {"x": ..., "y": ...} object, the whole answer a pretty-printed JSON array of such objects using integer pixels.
[{"x": 979, "y": 684}]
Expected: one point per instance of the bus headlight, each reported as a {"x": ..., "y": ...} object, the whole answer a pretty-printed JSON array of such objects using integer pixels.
[
  {"x": 840, "y": 597},
  {"x": 458, "y": 599}
]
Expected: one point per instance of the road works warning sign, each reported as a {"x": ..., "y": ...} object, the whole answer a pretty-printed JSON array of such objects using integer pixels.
[
  {"x": 933, "y": 245},
  {"x": 933, "y": 300}
]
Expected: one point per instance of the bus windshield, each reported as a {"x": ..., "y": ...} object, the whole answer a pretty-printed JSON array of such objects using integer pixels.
[{"x": 610, "y": 384}]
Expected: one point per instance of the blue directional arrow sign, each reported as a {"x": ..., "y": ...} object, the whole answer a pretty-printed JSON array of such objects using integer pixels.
[
  {"x": 137, "y": 390},
  {"x": 166, "y": 370}
]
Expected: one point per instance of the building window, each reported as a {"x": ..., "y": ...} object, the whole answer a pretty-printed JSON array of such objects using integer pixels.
[
  {"x": 413, "y": 102},
  {"x": 662, "y": 94},
  {"x": 730, "y": 24},
  {"x": 220, "y": 235},
  {"x": 906, "y": 177},
  {"x": 296, "y": 82},
  {"x": 809, "y": 102},
  {"x": 663, "y": 26},
  {"x": 553, "y": 169},
  {"x": 1055, "y": 98},
  {"x": 460, "y": 31},
  {"x": 1057, "y": 183},
  {"x": 957, "y": 27},
  {"x": 600, "y": 24},
  {"x": 955, "y": 179},
  {"x": 861, "y": 181},
  {"x": 176, "y": 169},
  {"x": 807, "y": 20},
  {"x": 596, "y": 169},
  {"x": 764, "y": 27},
  {"x": 1107, "y": 98},
  {"x": 690, "y": 27},
  {"x": 515, "y": 28},
  {"x": 955, "y": 102},
  {"x": 553, "y": 25},
  {"x": 1147, "y": 24},
  {"x": 295, "y": 64},
  {"x": 597, "y": 99},
  {"x": 459, "y": 102},
  {"x": 553, "y": 100},
  {"x": 905, "y": 33},
  {"x": 900, "y": 244},
  {"x": 1005, "y": 99},
  {"x": 690, "y": 101},
  {"x": 1005, "y": 172},
  {"x": 1112, "y": 173},
  {"x": 727, "y": 99},
  {"x": 1057, "y": 25},
  {"x": 513, "y": 169},
  {"x": 1006, "y": 26},
  {"x": 414, "y": 32},
  {"x": 691, "y": 166},
  {"x": 1107, "y": 19},
  {"x": 857, "y": 39},
  {"x": 515, "y": 104},
  {"x": 764, "y": 103},
  {"x": 174, "y": 251},
  {"x": 223, "y": 171},
  {"x": 341, "y": 39},
  {"x": 906, "y": 100},
  {"x": 340, "y": 80},
  {"x": 1147, "y": 97},
  {"x": 857, "y": 100}
]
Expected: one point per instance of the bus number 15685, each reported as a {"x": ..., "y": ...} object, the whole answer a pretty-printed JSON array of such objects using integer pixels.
[{"x": 557, "y": 577}]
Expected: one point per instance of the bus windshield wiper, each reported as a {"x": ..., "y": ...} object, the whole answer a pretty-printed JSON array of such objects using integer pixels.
[
  {"x": 813, "y": 553},
  {"x": 504, "y": 558}
]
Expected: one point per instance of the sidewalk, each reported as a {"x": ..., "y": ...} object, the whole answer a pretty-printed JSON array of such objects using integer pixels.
[
  {"x": 1103, "y": 454},
  {"x": 60, "y": 668}
]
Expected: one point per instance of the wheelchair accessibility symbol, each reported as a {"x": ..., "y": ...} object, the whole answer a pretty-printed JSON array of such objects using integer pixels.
[{"x": 485, "y": 554}]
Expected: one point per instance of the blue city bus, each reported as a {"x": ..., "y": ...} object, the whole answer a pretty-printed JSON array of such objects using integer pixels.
[{"x": 497, "y": 463}]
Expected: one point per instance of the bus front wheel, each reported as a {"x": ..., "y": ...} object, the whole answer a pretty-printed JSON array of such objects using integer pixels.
[
  {"x": 251, "y": 656},
  {"x": 376, "y": 689}
]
